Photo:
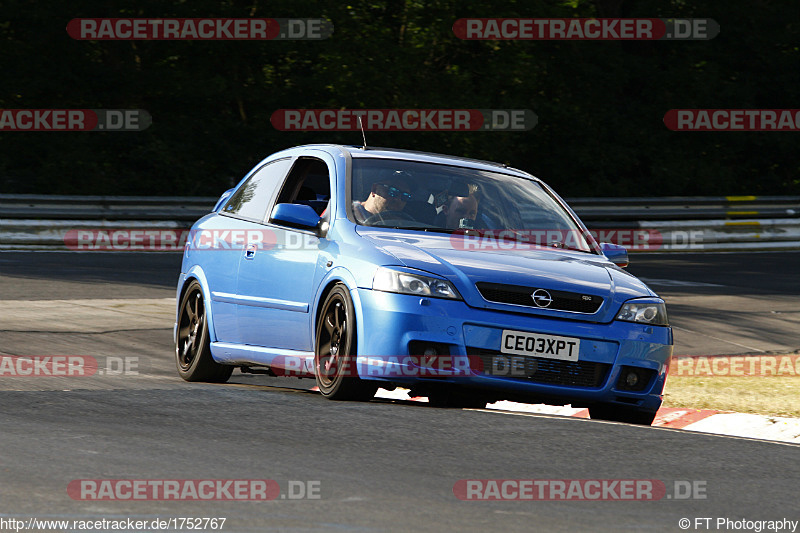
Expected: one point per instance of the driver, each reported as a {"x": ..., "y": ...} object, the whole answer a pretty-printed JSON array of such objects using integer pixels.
[{"x": 388, "y": 194}]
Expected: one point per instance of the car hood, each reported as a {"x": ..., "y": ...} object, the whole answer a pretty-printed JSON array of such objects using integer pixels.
[{"x": 562, "y": 271}]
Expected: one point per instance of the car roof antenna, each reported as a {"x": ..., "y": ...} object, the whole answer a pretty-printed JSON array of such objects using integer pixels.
[{"x": 361, "y": 125}]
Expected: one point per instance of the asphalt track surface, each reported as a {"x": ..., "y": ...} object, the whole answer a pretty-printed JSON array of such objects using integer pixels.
[{"x": 382, "y": 465}]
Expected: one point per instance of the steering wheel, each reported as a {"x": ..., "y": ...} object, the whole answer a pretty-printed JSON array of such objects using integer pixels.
[{"x": 388, "y": 215}]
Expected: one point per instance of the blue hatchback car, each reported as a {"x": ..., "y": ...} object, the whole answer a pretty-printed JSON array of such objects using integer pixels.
[{"x": 466, "y": 281}]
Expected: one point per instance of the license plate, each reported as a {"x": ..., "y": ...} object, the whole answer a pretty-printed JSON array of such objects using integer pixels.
[{"x": 540, "y": 345}]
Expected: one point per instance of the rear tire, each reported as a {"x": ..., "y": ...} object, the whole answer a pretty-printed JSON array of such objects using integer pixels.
[
  {"x": 193, "y": 343},
  {"x": 335, "y": 350},
  {"x": 614, "y": 413}
]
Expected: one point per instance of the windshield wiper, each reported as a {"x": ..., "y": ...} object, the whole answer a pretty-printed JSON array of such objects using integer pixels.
[{"x": 424, "y": 228}]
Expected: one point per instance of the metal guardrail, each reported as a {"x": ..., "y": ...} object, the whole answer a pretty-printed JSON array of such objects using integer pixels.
[
  {"x": 686, "y": 208},
  {"x": 641, "y": 224},
  {"x": 44, "y": 207},
  {"x": 589, "y": 209}
]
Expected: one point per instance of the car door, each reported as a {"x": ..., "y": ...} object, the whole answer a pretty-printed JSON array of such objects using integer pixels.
[
  {"x": 277, "y": 282},
  {"x": 222, "y": 240}
]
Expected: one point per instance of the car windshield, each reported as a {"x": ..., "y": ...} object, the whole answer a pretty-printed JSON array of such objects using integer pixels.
[{"x": 448, "y": 199}]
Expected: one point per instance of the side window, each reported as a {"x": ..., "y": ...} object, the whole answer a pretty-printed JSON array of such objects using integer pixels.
[
  {"x": 251, "y": 199},
  {"x": 308, "y": 183}
]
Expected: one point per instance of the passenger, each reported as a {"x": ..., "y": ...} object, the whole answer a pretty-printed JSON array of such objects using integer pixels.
[{"x": 461, "y": 211}]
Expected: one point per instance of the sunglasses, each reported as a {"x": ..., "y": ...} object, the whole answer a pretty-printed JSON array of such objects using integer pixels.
[{"x": 394, "y": 192}]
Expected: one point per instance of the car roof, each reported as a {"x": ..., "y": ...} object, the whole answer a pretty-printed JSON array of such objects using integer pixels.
[{"x": 358, "y": 152}]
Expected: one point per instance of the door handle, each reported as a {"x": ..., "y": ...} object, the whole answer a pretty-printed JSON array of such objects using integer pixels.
[{"x": 250, "y": 251}]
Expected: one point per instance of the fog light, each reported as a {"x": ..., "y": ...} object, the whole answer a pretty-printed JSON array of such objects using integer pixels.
[
  {"x": 427, "y": 349},
  {"x": 634, "y": 378}
]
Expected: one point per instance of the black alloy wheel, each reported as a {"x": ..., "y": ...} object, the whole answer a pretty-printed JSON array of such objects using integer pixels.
[
  {"x": 335, "y": 350},
  {"x": 193, "y": 344}
]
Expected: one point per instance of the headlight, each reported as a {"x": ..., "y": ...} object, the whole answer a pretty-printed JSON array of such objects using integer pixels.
[
  {"x": 389, "y": 280},
  {"x": 654, "y": 313}
]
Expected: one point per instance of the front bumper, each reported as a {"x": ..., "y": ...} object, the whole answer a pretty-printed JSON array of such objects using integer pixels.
[{"x": 473, "y": 337}]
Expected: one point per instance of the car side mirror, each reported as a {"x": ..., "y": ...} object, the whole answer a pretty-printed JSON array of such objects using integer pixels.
[
  {"x": 222, "y": 199},
  {"x": 615, "y": 253},
  {"x": 297, "y": 216}
]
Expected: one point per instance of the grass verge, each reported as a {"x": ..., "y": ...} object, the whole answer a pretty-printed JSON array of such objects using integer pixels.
[{"x": 774, "y": 395}]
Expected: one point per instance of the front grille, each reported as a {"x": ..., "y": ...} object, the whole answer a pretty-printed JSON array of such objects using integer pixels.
[
  {"x": 541, "y": 370},
  {"x": 522, "y": 295}
]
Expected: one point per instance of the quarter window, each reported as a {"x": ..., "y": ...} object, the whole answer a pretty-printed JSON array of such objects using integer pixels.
[{"x": 251, "y": 199}]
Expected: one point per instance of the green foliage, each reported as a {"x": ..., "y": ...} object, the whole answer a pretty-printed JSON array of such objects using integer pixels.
[{"x": 600, "y": 104}]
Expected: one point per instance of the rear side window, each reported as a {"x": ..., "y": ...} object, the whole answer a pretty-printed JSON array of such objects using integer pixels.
[{"x": 251, "y": 199}]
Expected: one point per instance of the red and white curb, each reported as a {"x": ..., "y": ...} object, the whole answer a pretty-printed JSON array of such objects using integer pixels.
[{"x": 762, "y": 427}]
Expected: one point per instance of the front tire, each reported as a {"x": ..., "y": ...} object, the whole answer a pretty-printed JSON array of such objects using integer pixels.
[
  {"x": 193, "y": 343},
  {"x": 335, "y": 350},
  {"x": 614, "y": 413}
]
